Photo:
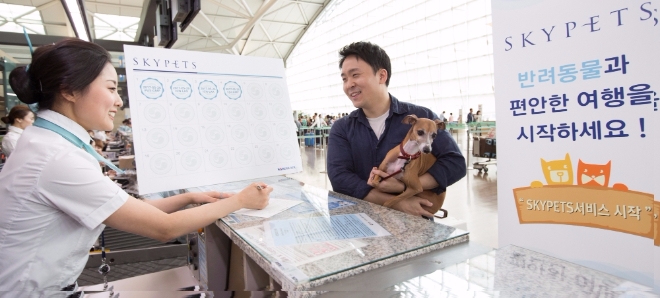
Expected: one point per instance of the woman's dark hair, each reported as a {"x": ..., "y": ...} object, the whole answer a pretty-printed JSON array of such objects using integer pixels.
[
  {"x": 17, "y": 112},
  {"x": 374, "y": 55},
  {"x": 69, "y": 65},
  {"x": 98, "y": 143}
]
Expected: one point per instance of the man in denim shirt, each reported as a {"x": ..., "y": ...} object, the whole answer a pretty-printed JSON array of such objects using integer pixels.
[{"x": 358, "y": 143}]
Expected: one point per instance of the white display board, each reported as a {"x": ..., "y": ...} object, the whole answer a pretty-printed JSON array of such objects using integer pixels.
[
  {"x": 576, "y": 95},
  {"x": 206, "y": 118}
]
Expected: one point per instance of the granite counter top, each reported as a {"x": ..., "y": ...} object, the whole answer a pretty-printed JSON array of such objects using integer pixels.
[
  {"x": 517, "y": 272},
  {"x": 410, "y": 236}
]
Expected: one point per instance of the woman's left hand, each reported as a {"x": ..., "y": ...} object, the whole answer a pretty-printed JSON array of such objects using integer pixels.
[{"x": 209, "y": 196}]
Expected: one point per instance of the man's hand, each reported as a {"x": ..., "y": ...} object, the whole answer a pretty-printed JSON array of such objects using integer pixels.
[
  {"x": 388, "y": 185},
  {"x": 413, "y": 206}
]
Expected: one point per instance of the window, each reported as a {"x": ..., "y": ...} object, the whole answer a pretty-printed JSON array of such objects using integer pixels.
[
  {"x": 14, "y": 17},
  {"x": 440, "y": 51},
  {"x": 115, "y": 27}
]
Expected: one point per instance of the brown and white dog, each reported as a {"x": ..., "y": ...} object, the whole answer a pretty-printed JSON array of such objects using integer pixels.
[{"x": 411, "y": 159}]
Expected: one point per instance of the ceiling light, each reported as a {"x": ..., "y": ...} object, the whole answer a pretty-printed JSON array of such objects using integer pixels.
[{"x": 77, "y": 18}]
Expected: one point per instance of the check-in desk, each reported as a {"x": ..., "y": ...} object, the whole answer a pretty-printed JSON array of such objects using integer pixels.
[
  {"x": 232, "y": 258},
  {"x": 419, "y": 259},
  {"x": 301, "y": 267},
  {"x": 510, "y": 271}
]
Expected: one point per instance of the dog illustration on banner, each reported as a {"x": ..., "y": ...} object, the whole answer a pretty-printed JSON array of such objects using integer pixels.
[
  {"x": 583, "y": 197},
  {"x": 560, "y": 172}
]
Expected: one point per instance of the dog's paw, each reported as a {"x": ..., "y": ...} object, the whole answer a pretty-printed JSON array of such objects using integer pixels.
[{"x": 536, "y": 184}]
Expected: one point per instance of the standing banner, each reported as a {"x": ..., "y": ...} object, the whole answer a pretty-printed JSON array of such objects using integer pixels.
[
  {"x": 206, "y": 118},
  {"x": 576, "y": 94}
]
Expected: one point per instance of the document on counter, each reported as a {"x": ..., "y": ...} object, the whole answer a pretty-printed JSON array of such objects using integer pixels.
[
  {"x": 298, "y": 254},
  {"x": 333, "y": 203},
  {"x": 275, "y": 206},
  {"x": 321, "y": 229}
]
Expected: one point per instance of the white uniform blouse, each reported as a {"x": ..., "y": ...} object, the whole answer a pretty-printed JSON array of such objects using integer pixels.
[
  {"x": 10, "y": 139},
  {"x": 53, "y": 201}
]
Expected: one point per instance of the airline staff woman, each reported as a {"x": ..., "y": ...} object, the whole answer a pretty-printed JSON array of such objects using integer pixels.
[
  {"x": 55, "y": 200},
  {"x": 18, "y": 119}
]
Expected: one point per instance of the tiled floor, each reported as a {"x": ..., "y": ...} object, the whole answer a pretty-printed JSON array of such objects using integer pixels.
[{"x": 473, "y": 199}]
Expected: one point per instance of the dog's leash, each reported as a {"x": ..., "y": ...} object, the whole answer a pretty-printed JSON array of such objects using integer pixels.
[{"x": 404, "y": 155}]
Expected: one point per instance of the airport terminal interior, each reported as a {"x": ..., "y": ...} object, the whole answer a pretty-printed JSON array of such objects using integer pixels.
[{"x": 441, "y": 58}]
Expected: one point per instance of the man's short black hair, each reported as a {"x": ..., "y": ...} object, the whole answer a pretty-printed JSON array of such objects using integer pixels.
[{"x": 374, "y": 55}]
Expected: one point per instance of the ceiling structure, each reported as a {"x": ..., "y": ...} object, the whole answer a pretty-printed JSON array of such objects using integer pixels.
[
  {"x": 265, "y": 28},
  {"x": 250, "y": 27}
]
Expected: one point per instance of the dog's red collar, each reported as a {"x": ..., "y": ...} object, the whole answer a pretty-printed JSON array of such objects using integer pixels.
[{"x": 407, "y": 156}]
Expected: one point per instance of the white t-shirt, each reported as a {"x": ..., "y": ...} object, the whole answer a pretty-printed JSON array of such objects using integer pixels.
[
  {"x": 319, "y": 122},
  {"x": 378, "y": 124},
  {"x": 10, "y": 139},
  {"x": 53, "y": 201}
]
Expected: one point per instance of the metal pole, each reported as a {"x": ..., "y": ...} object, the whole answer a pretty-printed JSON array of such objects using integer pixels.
[{"x": 323, "y": 147}]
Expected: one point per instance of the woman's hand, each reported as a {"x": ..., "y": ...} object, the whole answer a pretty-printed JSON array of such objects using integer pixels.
[
  {"x": 208, "y": 197},
  {"x": 255, "y": 196}
]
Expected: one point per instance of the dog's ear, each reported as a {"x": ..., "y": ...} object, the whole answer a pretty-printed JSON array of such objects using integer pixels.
[
  {"x": 440, "y": 124},
  {"x": 410, "y": 119}
]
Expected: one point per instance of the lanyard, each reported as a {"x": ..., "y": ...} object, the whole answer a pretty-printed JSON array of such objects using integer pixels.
[{"x": 43, "y": 123}]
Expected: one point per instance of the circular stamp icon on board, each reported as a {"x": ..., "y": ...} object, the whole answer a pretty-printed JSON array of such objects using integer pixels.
[
  {"x": 207, "y": 89},
  {"x": 255, "y": 90},
  {"x": 191, "y": 160},
  {"x": 181, "y": 89},
  {"x": 243, "y": 155},
  {"x": 240, "y": 133},
  {"x": 219, "y": 158},
  {"x": 187, "y": 136},
  {"x": 236, "y": 112},
  {"x": 214, "y": 135},
  {"x": 184, "y": 112},
  {"x": 232, "y": 90},
  {"x": 279, "y": 111},
  {"x": 262, "y": 132},
  {"x": 259, "y": 111},
  {"x": 158, "y": 138},
  {"x": 282, "y": 131},
  {"x": 160, "y": 164},
  {"x": 211, "y": 112},
  {"x": 266, "y": 153},
  {"x": 151, "y": 88},
  {"x": 276, "y": 91},
  {"x": 287, "y": 152},
  {"x": 154, "y": 113}
]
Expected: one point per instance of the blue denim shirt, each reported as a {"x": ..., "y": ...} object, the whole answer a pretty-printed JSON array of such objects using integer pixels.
[{"x": 353, "y": 150}]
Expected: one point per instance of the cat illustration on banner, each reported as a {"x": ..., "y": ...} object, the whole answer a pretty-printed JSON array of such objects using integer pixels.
[{"x": 560, "y": 172}]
